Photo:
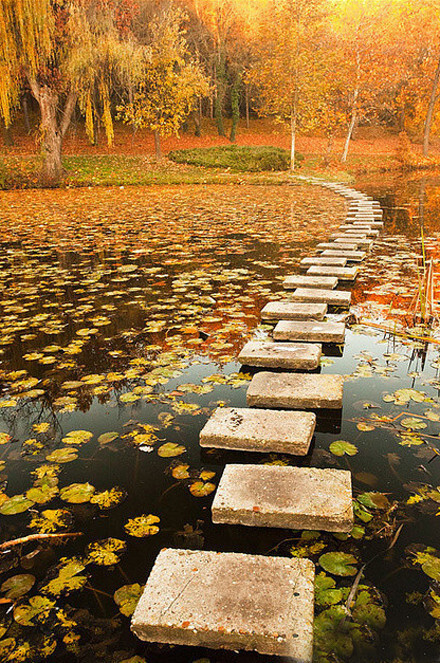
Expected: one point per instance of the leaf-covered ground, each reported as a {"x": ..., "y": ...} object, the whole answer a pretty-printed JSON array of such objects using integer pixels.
[{"x": 123, "y": 311}]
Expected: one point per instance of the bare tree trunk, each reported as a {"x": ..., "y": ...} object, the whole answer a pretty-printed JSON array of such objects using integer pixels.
[
  {"x": 51, "y": 137},
  {"x": 246, "y": 101},
  {"x": 25, "y": 106},
  {"x": 349, "y": 134},
  {"x": 157, "y": 145},
  {"x": 353, "y": 118},
  {"x": 292, "y": 142},
  {"x": 430, "y": 111}
]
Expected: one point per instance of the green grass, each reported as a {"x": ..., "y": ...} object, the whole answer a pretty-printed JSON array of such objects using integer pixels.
[{"x": 236, "y": 158}]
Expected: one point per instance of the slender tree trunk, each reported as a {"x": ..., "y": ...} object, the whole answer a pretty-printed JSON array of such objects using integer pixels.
[
  {"x": 157, "y": 145},
  {"x": 235, "y": 107},
  {"x": 220, "y": 96},
  {"x": 430, "y": 111},
  {"x": 292, "y": 142},
  {"x": 351, "y": 126},
  {"x": 246, "y": 101},
  {"x": 8, "y": 137},
  {"x": 25, "y": 106}
]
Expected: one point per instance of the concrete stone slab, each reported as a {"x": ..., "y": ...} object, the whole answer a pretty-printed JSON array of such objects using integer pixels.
[
  {"x": 377, "y": 225},
  {"x": 352, "y": 256},
  {"x": 268, "y": 354},
  {"x": 287, "y": 497},
  {"x": 293, "y": 311},
  {"x": 361, "y": 241},
  {"x": 316, "y": 260},
  {"x": 259, "y": 430},
  {"x": 229, "y": 601},
  {"x": 350, "y": 230},
  {"x": 343, "y": 273},
  {"x": 315, "y": 332},
  {"x": 324, "y": 246},
  {"x": 300, "y": 281},
  {"x": 295, "y": 391},
  {"x": 331, "y": 297}
]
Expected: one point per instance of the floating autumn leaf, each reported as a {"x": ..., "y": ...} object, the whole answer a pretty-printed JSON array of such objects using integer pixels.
[
  {"x": 364, "y": 426},
  {"x": 77, "y": 437},
  {"x": 201, "y": 488},
  {"x": 35, "y": 611},
  {"x": 109, "y": 499},
  {"x": 127, "y": 598},
  {"x": 43, "y": 427},
  {"x": 51, "y": 520},
  {"x": 413, "y": 424},
  {"x": 5, "y": 438},
  {"x": 77, "y": 493},
  {"x": 341, "y": 448},
  {"x": 106, "y": 438},
  {"x": 170, "y": 449},
  {"x": 180, "y": 471},
  {"x": 62, "y": 455},
  {"x": 16, "y": 504},
  {"x": 17, "y": 586},
  {"x": 374, "y": 500},
  {"x": 106, "y": 552},
  {"x": 339, "y": 563},
  {"x": 142, "y": 526},
  {"x": 65, "y": 578},
  {"x": 430, "y": 562}
]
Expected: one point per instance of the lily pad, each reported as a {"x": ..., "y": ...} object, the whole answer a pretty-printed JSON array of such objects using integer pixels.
[
  {"x": 201, "y": 488},
  {"x": 109, "y": 499},
  {"x": 77, "y": 493},
  {"x": 106, "y": 552},
  {"x": 142, "y": 526},
  {"x": 339, "y": 563},
  {"x": 106, "y": 438},
  {"x": 62, "y": 455},
  {"x": 51, "y": 520},
  {"x": 325, "y": 590},
  {"x": 374, "y": 500},
  {"x": 170, "y": 449},
  {"x": 341, "y": 448},
  {"x": 37, "y": 610},
  {"x": 16, "y": 504},
  {"x": 127, "y": 597},
  {"x": 18, "y": 585},
  {"x": 371, "y": 615},
  {"x": 66, "y": 578}
]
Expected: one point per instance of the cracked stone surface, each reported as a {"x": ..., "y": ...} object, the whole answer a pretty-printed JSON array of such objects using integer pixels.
[
  {"x": 265, "y": 431},
  {"x": 354, "y": 230},
  {"x": 229, "y": 601},
  {"x": 331, "y": 246},
  {"x": 292, "y": 282},
  {"x": 287, "y": 497},
  {"x": 280, "y": 355},
  {"x": 342, "y": 273},
  {"x": 295, "y": 390},
  {"x": 331, "y": 297},
  {"x": 282, "y": 310},
  {"x": 315, "y": 332}
]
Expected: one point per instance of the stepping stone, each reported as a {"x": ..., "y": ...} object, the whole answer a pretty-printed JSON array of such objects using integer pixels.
[
  {"x": 331, "y": 297},
  {"x": 281, "y": 355},
  {"x": 343, "y": 273},
  {"x": 361, "y": 241},
  {"x": 350, "y": 230},
  {"x": 353, "y": 256},
  {"x": 263, "y": 431},
  {"x": 229, "y": 601},
  {"x": 295, "y": 390},
  {"x": 323, "y": 246},
  {"x": 292, "y": 282},
  {"x": 315, "y": 332},
  {"x": 293, "y": 311},
  {"x": 337, "y": 262},
  {"x": 288, "y": 497},
  {"x": 373, "y": 224}
]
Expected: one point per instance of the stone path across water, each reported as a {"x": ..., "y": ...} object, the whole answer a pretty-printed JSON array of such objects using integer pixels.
[{"x": 265, "y": 603}]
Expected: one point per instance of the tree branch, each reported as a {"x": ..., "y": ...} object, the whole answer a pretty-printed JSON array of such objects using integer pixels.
[
  {"x": 67, "y": 112},
  {"x": 36, "y": 537}
]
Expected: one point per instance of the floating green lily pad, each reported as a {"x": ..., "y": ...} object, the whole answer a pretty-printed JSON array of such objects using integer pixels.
[
  {"x": 341, "y": 448},
  {"x": 127, "y": 597},
  {"x": 18, "y": 585},
  {"x": 16, "y": 504},
  {"x": 77, "y": 493},
  {"x": 339, "y": 563}
]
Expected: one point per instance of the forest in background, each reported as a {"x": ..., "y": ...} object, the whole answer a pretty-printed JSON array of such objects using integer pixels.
[{"x": 316, "y": 67}]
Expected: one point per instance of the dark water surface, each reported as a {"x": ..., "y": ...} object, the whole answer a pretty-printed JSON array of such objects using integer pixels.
[{"x": 104, "y": 295}]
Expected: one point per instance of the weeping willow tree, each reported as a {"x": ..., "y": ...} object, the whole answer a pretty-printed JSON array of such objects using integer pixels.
[{"x": 65, "y": 52}]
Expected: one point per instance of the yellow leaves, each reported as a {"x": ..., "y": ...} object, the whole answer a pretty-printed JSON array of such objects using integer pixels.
[
  {"x": 108, "y": 499},
  {"x": 77, "y": 437},
  {"x": 142, "y": 526},
  {"x": 36, "y": 610},
  {"x": 127, "y": 597},
  {"x": 67, "y": 578},
  {"x": 106, "y": 552},
  {"x": 51, "y": 520}
]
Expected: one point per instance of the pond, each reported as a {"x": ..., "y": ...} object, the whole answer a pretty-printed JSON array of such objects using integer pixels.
[{"x": 122, "y": 313}]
